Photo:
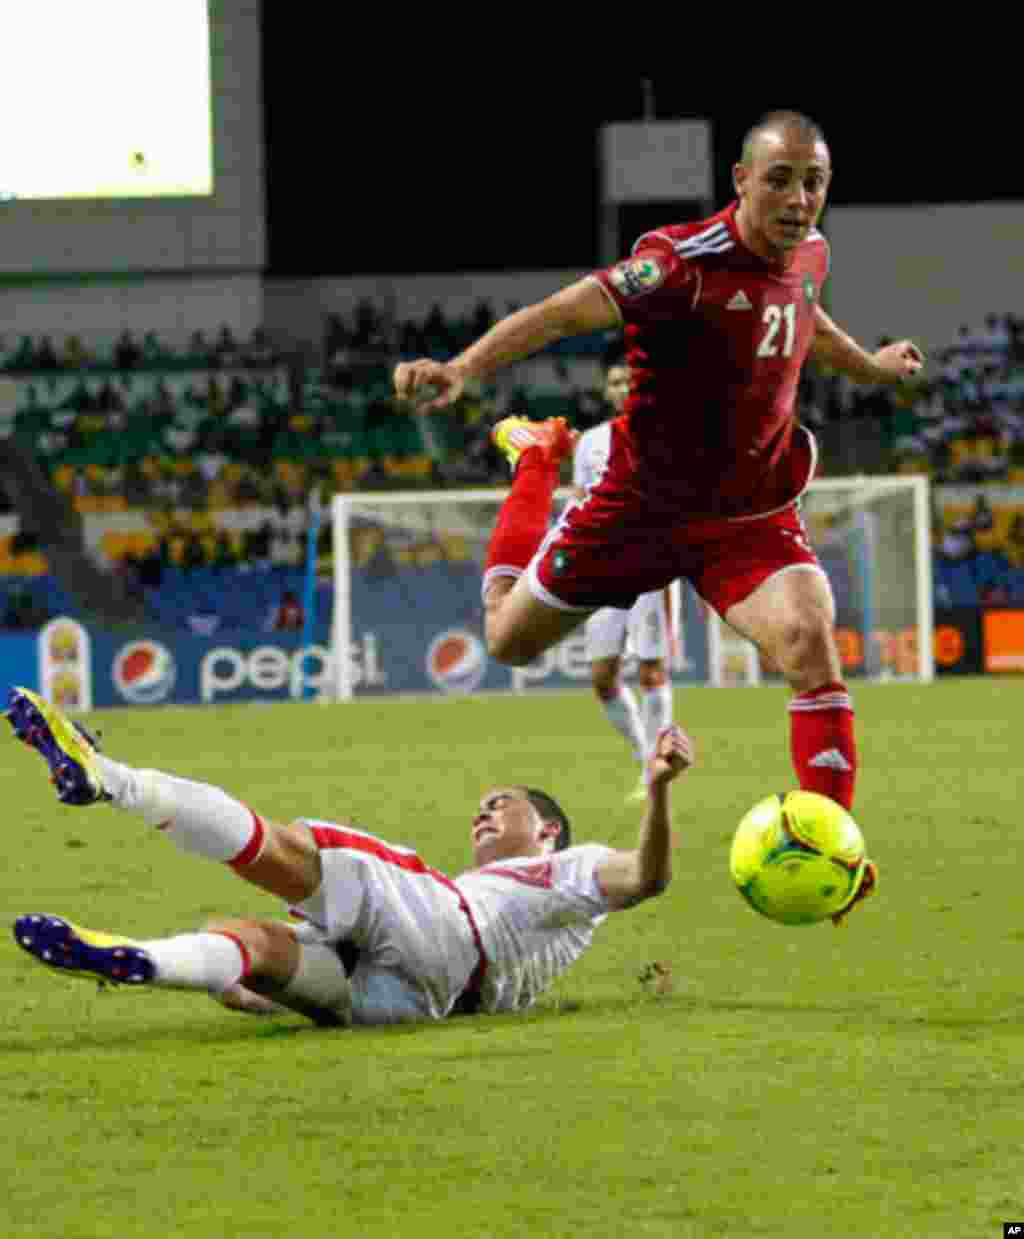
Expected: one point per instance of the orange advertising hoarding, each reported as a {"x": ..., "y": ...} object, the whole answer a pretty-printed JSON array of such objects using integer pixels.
[{"x": 1003, "y": 637}]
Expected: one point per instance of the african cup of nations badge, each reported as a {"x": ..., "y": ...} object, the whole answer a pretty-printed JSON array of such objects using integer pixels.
[
  {"x": 637, "y": 276},
  {"x": 65, "y": 664}
]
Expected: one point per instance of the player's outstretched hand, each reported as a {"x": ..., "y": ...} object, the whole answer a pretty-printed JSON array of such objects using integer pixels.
[
  {"x": 429, "y": 385},
  {"x": 673, "y": 754},
  {"x": 901, "y": 360}
]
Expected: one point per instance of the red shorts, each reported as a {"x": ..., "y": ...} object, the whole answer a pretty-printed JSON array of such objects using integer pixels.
[{"x": 605, "y": 553}]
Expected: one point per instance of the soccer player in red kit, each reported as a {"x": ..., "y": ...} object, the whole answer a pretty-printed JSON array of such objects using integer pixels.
[{"x": 708, "y": 461}]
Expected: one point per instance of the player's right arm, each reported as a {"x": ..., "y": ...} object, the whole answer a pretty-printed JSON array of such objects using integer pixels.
[
  {"x": 577, "y": 310},
  {"x": 628, "y": 878}
]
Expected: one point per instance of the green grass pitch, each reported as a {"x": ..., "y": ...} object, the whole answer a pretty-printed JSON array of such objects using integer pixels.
[{"x": 798, "y": 1082}]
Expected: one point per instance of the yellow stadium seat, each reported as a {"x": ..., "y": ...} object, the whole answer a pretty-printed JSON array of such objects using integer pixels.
[
  {"x": 960, "y": 452},
  {"x": 219, "y": 495},
  {"x": 136, "y": 542}
]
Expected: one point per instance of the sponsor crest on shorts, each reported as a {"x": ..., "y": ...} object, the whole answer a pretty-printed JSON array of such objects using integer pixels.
[
  {"x": 637, "y": 276},
  {"x": 559, "y": 562}
]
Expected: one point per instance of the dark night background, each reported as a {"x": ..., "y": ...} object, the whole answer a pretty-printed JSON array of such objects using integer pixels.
[{"x": 370, "y": 173}]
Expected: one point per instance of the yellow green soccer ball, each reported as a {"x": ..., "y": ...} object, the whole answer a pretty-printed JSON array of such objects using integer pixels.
[{"x": 798, "y": 858}]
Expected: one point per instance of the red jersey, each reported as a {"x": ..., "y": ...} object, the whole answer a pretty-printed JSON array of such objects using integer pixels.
[{"x": 715, "y": 337}]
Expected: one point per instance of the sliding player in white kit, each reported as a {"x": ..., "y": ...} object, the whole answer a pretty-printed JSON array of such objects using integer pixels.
[
  {"x": 383, "y": 938},
  {"x": 645, "y": 629}
]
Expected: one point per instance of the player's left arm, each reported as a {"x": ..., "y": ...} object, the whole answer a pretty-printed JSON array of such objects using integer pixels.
[
  {"x": 832, "y": 347},
  {"x": 628, "y": 878}
]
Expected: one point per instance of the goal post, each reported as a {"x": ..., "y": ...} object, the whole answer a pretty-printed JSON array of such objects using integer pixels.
[
  {"x": 873, "y": 537},
  {"x": 408, "y": 616}
]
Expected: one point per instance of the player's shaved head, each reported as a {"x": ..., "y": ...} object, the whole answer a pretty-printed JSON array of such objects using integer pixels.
[{"x": 783, "y": 124}]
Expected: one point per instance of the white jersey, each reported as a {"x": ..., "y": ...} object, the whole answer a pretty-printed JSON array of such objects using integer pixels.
[
  {"x": 536, "y": 917},
  {"x": 590, "y": 458},
  {"x": 646, "y": 626},
  {"x": 424, "y": 938}
]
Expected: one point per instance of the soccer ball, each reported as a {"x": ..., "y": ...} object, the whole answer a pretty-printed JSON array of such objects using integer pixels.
[{"x": 798, "y": 858}]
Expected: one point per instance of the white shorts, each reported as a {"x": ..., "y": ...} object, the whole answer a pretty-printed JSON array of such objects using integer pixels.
[
  {"x": 642, "y": 630},
  {"x": 418, "y": 945}
]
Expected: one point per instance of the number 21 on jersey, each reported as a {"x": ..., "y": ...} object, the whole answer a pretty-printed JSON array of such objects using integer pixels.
[{"x": 778, "y": 319}]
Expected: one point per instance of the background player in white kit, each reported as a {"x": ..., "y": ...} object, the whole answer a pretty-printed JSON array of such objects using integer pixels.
[
  {"x": 645, "y": 629},
  {"x": 384, "y": 937}
]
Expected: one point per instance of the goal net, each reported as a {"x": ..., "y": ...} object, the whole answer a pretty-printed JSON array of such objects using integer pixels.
[{"x": 408, "y": 616}]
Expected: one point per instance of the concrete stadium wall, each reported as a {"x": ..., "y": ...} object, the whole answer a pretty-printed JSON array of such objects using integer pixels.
[{"x": 922, "y": 271}]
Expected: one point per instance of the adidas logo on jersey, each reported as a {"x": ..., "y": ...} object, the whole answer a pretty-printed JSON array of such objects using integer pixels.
[
  {"x": 832, "y": 758},
  {"x": 739, "y": 302}
]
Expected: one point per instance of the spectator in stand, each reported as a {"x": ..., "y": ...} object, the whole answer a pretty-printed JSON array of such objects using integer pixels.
[
  {"x": 483, "y": 318},
  {"x": 994, "y": 341},
  {"x": 256, "y": 546},
  {"x": 337, "y": 337},
  {"x": 960, "y": 354},
  {"x": 224, "y": 553},
  {"x": 437, "y": 336},
  {"x": 200, "y": 350},
  {"x": 179, "y": 440},
  {"x": 225, "y": 347},
  {"x": 193, "y": 553},
  {"x": 80, "y": 399},
  {"x": 286, "y": 545},
  {"x": 151, "y": 567},
  {"x": 75, "y": 356},
  {"x": 126, "y": 567},
  {"x": 369, "y": 333},
  {"x": 957, "y": 541},
  {"x": 211, "y": 458},
  {"x": 24, "y": 356},
  {"x": 410, "y": 339},
  {"x": 248, "y": 491},
  {"x": 153, "y": 352},
  {"x": 110, "y": 400},
  {"x": 982, "y": 517},
  {"x": 238, "y": 393},
  {"x": 288, "y": 615},
  {"x": 259, "y": 349},
  {"x": 1015, "y": 542},
  {"x": 46, "y": 355},
  {"x": 214, "y": 399},
  {"x": 22, "y": 612},
  {"x": 1015, "y": 330},
  {"x": 127, "y": 352}
]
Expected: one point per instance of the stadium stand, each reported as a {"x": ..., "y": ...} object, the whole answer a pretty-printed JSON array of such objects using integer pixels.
[{"x": 193, "y": 439}]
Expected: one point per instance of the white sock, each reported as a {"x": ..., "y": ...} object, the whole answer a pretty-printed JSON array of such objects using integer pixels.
[
  {"x": 621, "y": 711},
  {"x": 196, "y": 961},
  {"x": 656, "y": 712},
  {"x": 198, "y": 817}
]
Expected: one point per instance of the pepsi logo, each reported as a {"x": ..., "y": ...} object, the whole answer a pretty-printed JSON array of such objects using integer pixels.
[
  {"x": 457, "y": 661},
  {"x": 144, "y": 672}
]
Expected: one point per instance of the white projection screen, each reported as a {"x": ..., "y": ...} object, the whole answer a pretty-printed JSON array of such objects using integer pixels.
[{"x": 134, "y": 136}]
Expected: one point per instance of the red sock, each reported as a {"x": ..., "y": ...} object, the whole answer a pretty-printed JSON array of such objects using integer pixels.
[
  {"x": 524, "y": 516},
  {"x": 822, "y": 742}
]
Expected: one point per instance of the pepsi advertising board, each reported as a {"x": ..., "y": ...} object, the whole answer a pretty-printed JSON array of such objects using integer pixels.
[{"x": 83, "y": 669}]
